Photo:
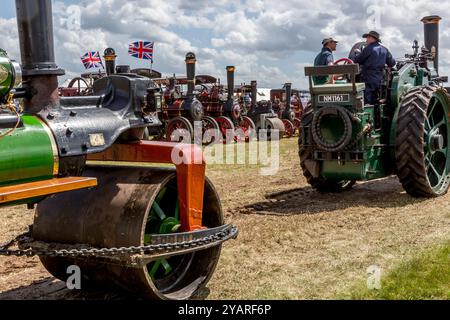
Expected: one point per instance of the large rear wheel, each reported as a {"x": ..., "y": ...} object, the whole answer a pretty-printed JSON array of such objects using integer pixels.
[
  {"x": 179, "y": 129},
  {"x": 227, "y": 129},
  {"x": 422, "y": 142},
  {"x": 289, "y": 128},
  {"x": 211, "y": 131}
]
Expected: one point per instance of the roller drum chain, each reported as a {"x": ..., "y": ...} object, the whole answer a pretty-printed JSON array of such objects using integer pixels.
[{"x": 28, "y": 247}]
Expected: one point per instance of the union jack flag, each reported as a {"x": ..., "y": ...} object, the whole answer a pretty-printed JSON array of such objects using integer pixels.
[
  {"x": 92, "y": 59},
  {"x": 141, "y": 50}
]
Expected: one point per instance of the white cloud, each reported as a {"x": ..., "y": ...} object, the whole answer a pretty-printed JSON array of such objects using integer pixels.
[{"x": 267, "y": 40}]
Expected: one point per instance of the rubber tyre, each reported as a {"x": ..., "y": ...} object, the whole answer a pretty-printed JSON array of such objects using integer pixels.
[{"x": 410, "y": 144}]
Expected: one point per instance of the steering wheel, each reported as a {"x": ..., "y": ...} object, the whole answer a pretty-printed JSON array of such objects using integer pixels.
[{"x": 343, "y": 61}]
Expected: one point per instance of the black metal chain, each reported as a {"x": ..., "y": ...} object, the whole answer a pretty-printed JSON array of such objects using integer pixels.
[{"x": 29, "y": 248}]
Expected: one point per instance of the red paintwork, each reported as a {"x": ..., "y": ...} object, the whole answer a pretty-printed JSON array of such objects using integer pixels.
[
  {"x": 210, "y": 100},
  {"x": 190, "y": 167}
]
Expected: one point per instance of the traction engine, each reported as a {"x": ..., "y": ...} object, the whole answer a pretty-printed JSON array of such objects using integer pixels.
[{"x": 156, "y": 232}]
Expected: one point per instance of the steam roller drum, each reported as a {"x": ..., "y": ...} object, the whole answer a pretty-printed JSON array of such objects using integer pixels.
[
  {"x": 128, "y": 205},
  {"x": 275, "y": 124}
]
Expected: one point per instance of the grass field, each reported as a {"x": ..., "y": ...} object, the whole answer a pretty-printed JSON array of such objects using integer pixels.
[
  {"x": 426, "y": 276},
  {"x": 294, "y": 243}
]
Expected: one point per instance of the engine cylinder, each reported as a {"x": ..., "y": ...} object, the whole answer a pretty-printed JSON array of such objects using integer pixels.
[{"x": 31, "y": 148}]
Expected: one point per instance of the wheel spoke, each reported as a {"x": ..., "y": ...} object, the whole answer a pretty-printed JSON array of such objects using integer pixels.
[
  {"x": 437, "y": 126},
  {"x": 430, "y": 114},
  {"x": 428, "y": 161},
  {"x": 427, "y": 125},
  {"x": 433, "y": 169},
  {"x": 155, "y": 268},
  {"x": 166, "y": 266},
  {"x": 158, "y": 210},
  {"x": 162, "y": 223}
]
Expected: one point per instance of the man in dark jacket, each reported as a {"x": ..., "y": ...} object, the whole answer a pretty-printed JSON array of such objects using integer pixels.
[
  {"x": 373, "y": 60},
  {"x": 325, "y": 58}
]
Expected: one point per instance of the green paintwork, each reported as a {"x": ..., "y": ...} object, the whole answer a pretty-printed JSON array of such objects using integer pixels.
[
  {"x": 6, "y": 74},
  {"x": 321, "y": 80},
  {"x": 26, "y": 154},
  {"x": 373, "y": 162},
  {"x": 375, "y": 151},
  {"x": 337, "y": 88},
  {"x": 437, "y": 161},
  {"x": 162, "y": 219}
]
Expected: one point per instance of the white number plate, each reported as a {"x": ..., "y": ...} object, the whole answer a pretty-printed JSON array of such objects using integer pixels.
[{"x": 332, "y": 98}]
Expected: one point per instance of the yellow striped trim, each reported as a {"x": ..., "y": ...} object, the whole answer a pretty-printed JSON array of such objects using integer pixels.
[{"x": 54, "y": 146}]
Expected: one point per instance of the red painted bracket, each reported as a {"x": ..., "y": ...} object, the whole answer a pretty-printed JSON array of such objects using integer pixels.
[{"x": 190, "y": 167}]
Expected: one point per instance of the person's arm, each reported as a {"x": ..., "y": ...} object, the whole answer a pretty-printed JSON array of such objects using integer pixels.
[
  {"x": 390, "y": 60},
  {"x": 330, "y": 60},
  {"x": 363, "y": 56}
]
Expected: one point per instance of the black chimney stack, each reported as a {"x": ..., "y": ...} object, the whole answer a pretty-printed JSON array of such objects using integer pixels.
[
  {"x": 190, "y": 72},
  {"x": 254, "y": 86},
  {"x": 110, "y": 61},
  {"x": 172, "y": 82},
  {"x": 40, "y": 72},
  {"x": 431, "y": 32},
  {"x": 230, "y": 81},
  {"x": 287, "y": 108}
]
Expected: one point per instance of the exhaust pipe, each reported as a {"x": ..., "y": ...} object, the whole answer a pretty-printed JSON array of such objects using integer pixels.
[
  {"x": 110, "y": 61},
  {"x": 40, "y": 72},
  {"x": 190, "y": 73},
  {"x": 254, "y": 86},
  {"x": 287, "y": 109},
  {"x": 230, "y": 81},
  {"x": 172, "y": 82},
  {"x": 431, "y": 33}
]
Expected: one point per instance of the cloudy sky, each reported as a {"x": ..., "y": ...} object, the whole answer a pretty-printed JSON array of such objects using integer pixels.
[{"x": 267, "y": 40}]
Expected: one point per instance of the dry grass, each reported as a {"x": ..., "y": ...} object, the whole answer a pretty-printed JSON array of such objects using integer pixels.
[
  {"x": 295, "y": 245},
  {"x": 308, "y": 245}
]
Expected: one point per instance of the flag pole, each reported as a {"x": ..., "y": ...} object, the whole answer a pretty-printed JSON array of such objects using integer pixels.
[{"x": 151, "y": 63}]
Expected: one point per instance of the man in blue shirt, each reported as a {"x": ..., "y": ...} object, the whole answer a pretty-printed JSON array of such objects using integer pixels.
[
  {"x": 373, "y": 60},
  {"x": 325, "y": 58}
]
